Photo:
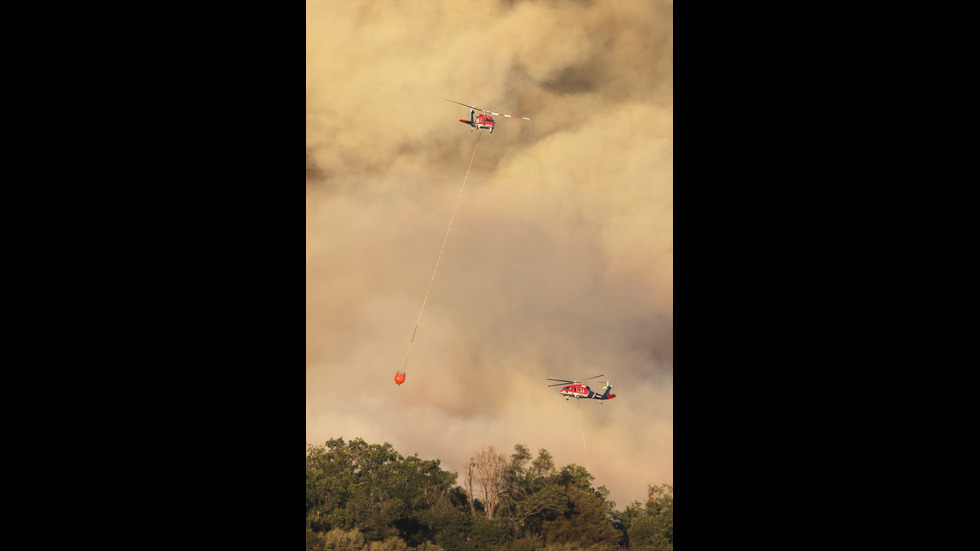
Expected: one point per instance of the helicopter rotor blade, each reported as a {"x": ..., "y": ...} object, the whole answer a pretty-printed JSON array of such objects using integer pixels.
[
  {"x": 596, "y": 377},
  {"x": 488, "y": 111},
  {"x": 470, "y": 106}
]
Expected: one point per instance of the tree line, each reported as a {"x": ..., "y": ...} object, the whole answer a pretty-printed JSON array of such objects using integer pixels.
[{"x": 367, "y": 496}]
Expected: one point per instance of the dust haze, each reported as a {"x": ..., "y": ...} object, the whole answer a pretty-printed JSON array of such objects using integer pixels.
[{"x": 559, "y": 262}]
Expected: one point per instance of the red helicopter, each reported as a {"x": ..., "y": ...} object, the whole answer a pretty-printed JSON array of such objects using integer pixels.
[
  {"x": 483, "y": 120},
  {"x": 576, "y": 389}
]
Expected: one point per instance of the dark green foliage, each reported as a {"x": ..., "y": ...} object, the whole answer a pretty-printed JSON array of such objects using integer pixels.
[
  {"x": 373, "y": 489},
  {"x": 367, "y": 496},
  {"x": 453, "y": 529},
  {"x": 575, "y": 476},
  {"x": 651, "y": 526},
  {"x": 353, "y": 540},
  {"x": 583, "y": 522},
  {"x": 491, "y": 533},
  {"x": 658, "y": 525}
]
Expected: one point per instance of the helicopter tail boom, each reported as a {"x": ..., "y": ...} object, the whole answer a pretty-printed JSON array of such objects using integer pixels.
[{"x": 605, "y": 394}]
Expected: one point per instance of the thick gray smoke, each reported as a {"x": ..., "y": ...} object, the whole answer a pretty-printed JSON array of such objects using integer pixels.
[{"x": 560, "y": 260}]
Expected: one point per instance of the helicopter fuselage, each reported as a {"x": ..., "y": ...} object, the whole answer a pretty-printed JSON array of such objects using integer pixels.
[
  {"x": 480, "y": 122},
  {"x": 579, "y": 391}
]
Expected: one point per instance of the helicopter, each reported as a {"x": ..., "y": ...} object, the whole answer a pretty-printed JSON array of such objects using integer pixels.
[
  {"x": 483, "y": 120},
  {"x": 578, "y": 390}
]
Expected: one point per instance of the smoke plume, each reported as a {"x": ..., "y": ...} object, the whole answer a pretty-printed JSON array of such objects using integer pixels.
[{"x": 559, "y": 263}]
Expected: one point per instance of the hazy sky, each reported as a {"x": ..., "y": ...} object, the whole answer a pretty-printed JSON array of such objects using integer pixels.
[{"x": 560, "y": 259}]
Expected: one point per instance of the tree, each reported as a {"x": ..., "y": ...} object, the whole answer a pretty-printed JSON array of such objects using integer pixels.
[
  {"x": 329, "y": 476},
  {"x": 548, "y": 502},
  {"x": 575, "y": 476},
  {"x": 373, "y": 489},
  {"x": 643, "y": 532},
  {"x": 368, "y": 497},
  {"x": 543, "y": 466},
  {"x": 584, "y": 522},
  {"x": 623, "y": 520},
  {"x": 528, "y": 493},
  {"x": 653, "y": 525},
  {"x": 523, "y": 480},
  {"x": 660, "y": 507},
  {"x": 452, "y": 530},
  {"x": 485, "y": 471}
]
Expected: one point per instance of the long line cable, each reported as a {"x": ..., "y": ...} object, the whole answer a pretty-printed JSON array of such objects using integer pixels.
[
  {"x": 451, "y": 219},
  {"x": 582, "y": 424}
]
